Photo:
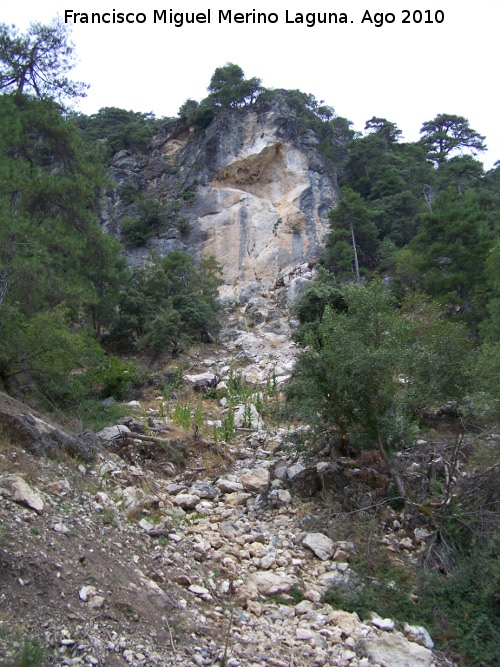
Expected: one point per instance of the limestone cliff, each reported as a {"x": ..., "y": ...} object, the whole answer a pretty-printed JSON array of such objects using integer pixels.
[{"x": 251, "y": 189}]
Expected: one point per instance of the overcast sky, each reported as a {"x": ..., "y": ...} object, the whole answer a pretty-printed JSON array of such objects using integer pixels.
[{"x": 407, "y": 73}]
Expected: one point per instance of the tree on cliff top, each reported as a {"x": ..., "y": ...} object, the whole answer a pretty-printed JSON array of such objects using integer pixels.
[
  {"x": 446, "y": 133},
  {"x": 229, "y": 88}
]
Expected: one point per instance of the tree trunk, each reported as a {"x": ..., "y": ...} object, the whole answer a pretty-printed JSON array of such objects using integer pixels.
[
  {"x": 392, "y": 469},
  {"x": 356, "y": 263}
]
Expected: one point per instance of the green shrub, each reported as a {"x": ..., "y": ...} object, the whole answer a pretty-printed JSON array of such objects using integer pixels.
[
  {"x": 95, "y": 415},
  {"x": 182, "y": 416},
  {"x": 115, "y": 377},
  {"x": 462, "y": 609},
  {"x": 31, "y": 655}
]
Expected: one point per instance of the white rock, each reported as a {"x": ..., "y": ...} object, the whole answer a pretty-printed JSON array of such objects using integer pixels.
[
  {"x": 200, "y": 378},
  {"x": 348, "y": 655},
  {"x": 237, "y": 498},
  {"x": 186, "y": 500},
  {"x": 86, "y": 593},
  {"x": 18, "y": 490},
  {"x": 394, "y": 650},
  {"x": 198, "y": 590},
  {"x": 248, "y": 417},
  {"x": 284, "y": 496},
  {"x": 321, "y": 545},
  {"x": 60, "y": 528},
  {"x": 257, "y": 481},
  {"x": 419, "y": 635},
  {"x": 303, "y": 607},
  {"x": 382, "y": 623},
  {"x": 269, "y": 583},
  {"x": 267, "y": 562},
  {"x": 294, "y": 470},
  {"x": 103, "y": 499},
  {"x": 406, "y": 543},
  {"x": 228, "y": 486},
  {"x": 96, "y": 602},
  {"x": 111, "y": 433},
  {"x": 146, "y": 525}
]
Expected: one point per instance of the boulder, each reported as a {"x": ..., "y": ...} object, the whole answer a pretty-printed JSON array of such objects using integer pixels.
[
  {"x": 321, "y": 545},
  {"x": 257, "y": 481},
  {"x": 111, "y": 433},
  {"x": 266, "y": 583},
  {"x": 18, "y": 490},
  {"x": 228, "y": 485},
  {"x": 394, "y": 650},
  {"x": 187, "y": 501},
  {"x": 306, "y": 482},
  {"x": 39, "y": 436},
  {"x": 208, "y": 491},
  {"x": 248, "y": 417},
  {"x": 203, "y": 381}
]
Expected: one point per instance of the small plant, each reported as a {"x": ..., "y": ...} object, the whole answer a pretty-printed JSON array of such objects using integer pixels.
[
  {"x": 31, "y": 655},
  {"x": 108, "y": 517},
  {"x": 226, "y": 432},
  {"x": 184, "y": 226},
  {"x": 247, "y": 416},
  {"x": 187, "y": 196},
  {"x": 198, "y": 417},
  {"x": 173, "y": 381},
  {"x": 271, "y": 385},
  {"x": 182, "y": 416}
]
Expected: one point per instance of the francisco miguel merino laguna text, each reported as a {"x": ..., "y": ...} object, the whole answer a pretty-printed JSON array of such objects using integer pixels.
[{"x": 178, "y": 19}]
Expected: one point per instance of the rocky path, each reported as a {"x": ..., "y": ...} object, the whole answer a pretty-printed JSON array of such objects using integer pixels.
[{"x": 112, "y": 563}]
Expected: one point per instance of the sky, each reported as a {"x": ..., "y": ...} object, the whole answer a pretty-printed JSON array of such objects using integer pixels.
[{"x": 408, "y": 73}]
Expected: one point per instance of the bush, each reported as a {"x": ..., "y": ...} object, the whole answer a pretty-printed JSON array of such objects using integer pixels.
[
  {"x": 462, "y": 610},
  {"x": 115, "y": 377},
  {"x": 151, "y": 217}
]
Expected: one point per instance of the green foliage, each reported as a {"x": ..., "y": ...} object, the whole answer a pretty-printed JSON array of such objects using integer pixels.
[
  {"x": 129, "y": 192},
  {"x": 151, "y": 217},
  {"x": 168, "y": 302},
  {"x": 310, "y": 306},
  {"x": 447, "y": 133},
  {"x": 227, "y": 431},
  {"x": 58, "y": 269},
  {"x": 348, "y": 375},
  {"x": 451, "y": 249},
  {"x": 352, "y": 244},
  {"x": 199, "y": 114},
  {"x": 490, "y": 326},
  {"x": 114, "y": 377},
  {"x": 229, "y": 88},
  {"x": 462, "y": 610},
  {"x": 95, "y": 415},
  {"x": 486, "y": 379},
  {"x": 182, "y": 415},
  {"x": 120, "y": 129},
  {"x": 30, "y": 655},
  {"x": 36, "y": 62},
  {"x": 385, "y": 590},
  {"x": 43, "y": 352}
]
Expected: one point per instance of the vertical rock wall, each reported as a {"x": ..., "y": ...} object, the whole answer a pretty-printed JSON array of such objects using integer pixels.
[{"x": 261, "y": 194}]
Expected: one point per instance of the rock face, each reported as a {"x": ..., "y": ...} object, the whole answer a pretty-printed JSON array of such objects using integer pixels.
[{"x": 259, "y": 193}]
